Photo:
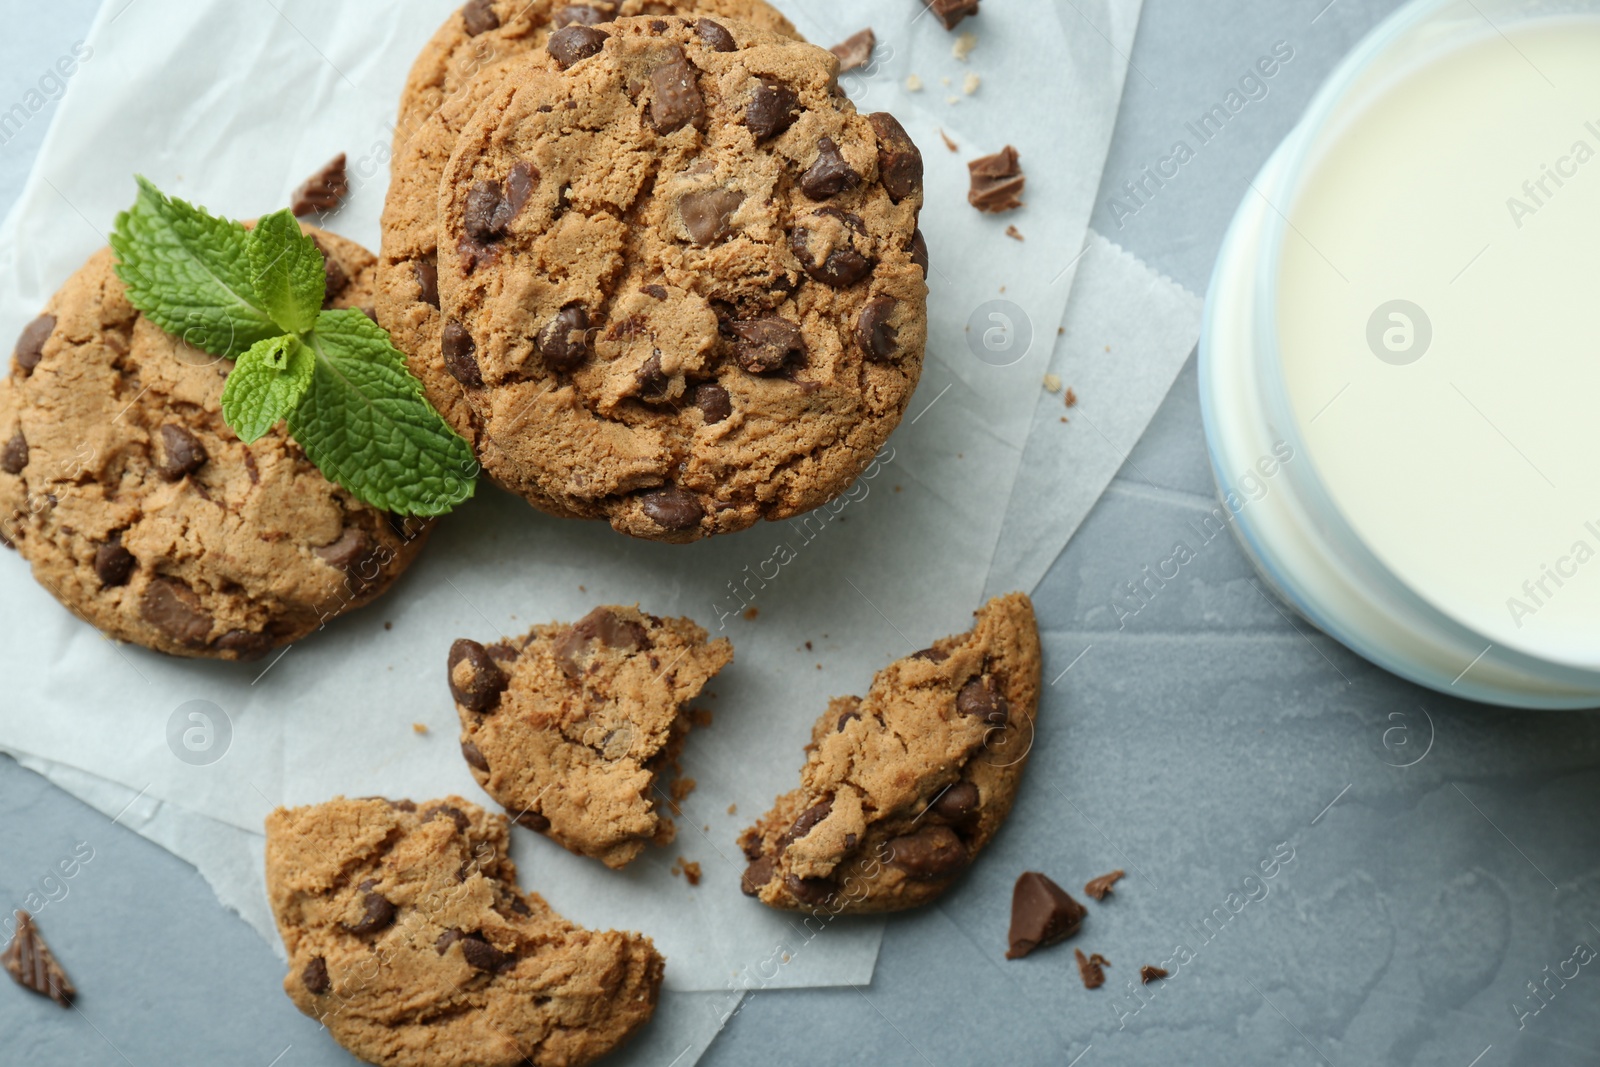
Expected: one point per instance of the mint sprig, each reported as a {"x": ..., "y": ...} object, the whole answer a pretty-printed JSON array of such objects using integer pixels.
[{"x": 254, "y": 295}]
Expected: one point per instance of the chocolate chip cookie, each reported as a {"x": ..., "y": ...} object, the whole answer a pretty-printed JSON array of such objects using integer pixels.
[
  {"x": 409, "y": 939},
  {"x": 681, "y": 280},
  {"x": 144, "y": 514},
  {"x": 572, "y": 727},
  {"x": 902, "y": 789}
]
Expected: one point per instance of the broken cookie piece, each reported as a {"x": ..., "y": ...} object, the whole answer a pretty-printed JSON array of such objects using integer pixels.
[
  {"x": 572, "y": 727},
  {"x": 31, "y": 964},
  {"x": 409, "y": 939},
  {"x": 902, "y": 790}
]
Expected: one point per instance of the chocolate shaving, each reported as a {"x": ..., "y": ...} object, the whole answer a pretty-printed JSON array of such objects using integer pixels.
[
  {"x": 324, "y": 191},
  {"x": 855, "y": 51},
  {"x": 1100, "y": 888},
  {"x": 1091, "y": 969},
  {"x": 31, "y": 964},
  {"x": 997, "y": 182},
  {"x": 1148, "y": 974}
]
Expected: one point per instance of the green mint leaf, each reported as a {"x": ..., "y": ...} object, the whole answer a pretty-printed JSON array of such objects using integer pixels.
[
  {"x": 266, "y": 385},
  {"x": 288, "y": 272},
  {"x": 190, "y": 273},
  {"x": 366, "y": 425}
]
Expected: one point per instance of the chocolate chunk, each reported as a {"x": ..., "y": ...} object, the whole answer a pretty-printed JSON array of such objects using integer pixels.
[
  {"x": 315, "y": 977},
  {"x": 113, "y": 564},
  {"x": 584, "y": 15},
  {"x": 677, "y": 101},
  {"x": 351, "y": 553},
  {"x": 958, "y": 804},
  {"x": 708, "y": 214},
  {"x": 978, "y": 699},
  {"x": 879, "y": 341},
  {"x": 377, "y": 912},
  {"x": 245, "y": 644},
  {"x": 762, "y": 346},
  {"x": 456, "y": 815},
  {"x": 476, "y": 680},
  {"x": 1148, "y": 974},
  {"x": 30, "y": 344},
  {"x": 809, "y": 890},
  {"x": 932, "y": 655},
  {"x": 951, "y": 12},
  {"x": 673, "y": 509},
  {"x": 601, "y": 625},
  {"x": 1100, "y": 888},
  {"x": 520, "y": 183},
  {"x": 323, "y": 192},
  {"x": 714, "y": 402},
  {"x": 899, "y": 159},
  {"x": 442, "y": 943},
  {"x": 533, "y": 821},
  {"x": 183, "y": 454},
  {"x": 716, "y": 36},
  {"x": 997, "y": 182},
  {"x": 564, "y": 342},
  {"x": 480, "y": 17},
  {"x": 919, "y": 251},
  {"x": 758, "y": 874},
  {"x": 856, "y": 50},
  {"x": 773, "y": 109},
  {"x": 1042, "y": 914},
  {"x": 483, "y": 956},
  {"x": 1091, "y": 969},
  {"x": 830, "y": 175},
  {"x": 805, "y": 822},
  {"x": 31, "y": 964},
  {"x": 175, "y": 609},
  {"x": 843, "y": 268},
  {"x": 846, "y": 719},
  {"x": 427, "y": 274},
  {"x": 334, "y": 279},
  {"x": 474, "y": 756},
  {"x": 652, "y": 381},
  {"x": 461, "y": 355},
  {"x": 931, "y": 853},
  {"x": 574, "y": 43},
  {"x": 657, "y": 291},
  {"x": 14, "y": 457},
  {"x": 488, "y": 212}
]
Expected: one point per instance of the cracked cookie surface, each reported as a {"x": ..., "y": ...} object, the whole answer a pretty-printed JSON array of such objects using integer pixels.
[
  {"x": 681, "y": 281},
  {"x": 902, "y": 789},
  {"x": 409, "y": 939},
  {"x": 571, "y": 728},
  {"x": 143, "y": 513}
]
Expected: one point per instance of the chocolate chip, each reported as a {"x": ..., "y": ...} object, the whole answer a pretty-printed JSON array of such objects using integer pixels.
[
  {"x": 474, "y": 756},
  {"x": 657, "y": 291},
  {"x": 932, "y": 655},
  {"x": 1091, "y": 969},
  {"x": 442, "y": 943},
  {"x": 334, "y": 280},
  {"x": 1100, "y": 888},
  {"x": 573, "y": 43},
  {"x": 461, "y": 355},
  {"x": 30, "y": 345},
  {"x": 456, "y": 815},
  {"x": 846, "y": 719},
  {"x": 520, "y": 183},
  {"x": 31, "y": 964},
  {"x": 758, "y": 874},
  {"x": 113, "y": 564},
  {"x": 315, "y": 977},
  {"x": 652, "y": 382},
  {"x": 879, "y": 341},
  {"x": 564, "y": 342},
  {"x": 856, "y": 50},
  {"x": 958, "y": 804},
  {"x": 773, "y": 109},
  {"x": 583, "y": 15},
  {"x": 805, "y": 822},
  {"x": 183, "y": 454},
  {"x": 899, "y": 159},
  {"x": 480, "y": 17},
  {"x": 751, "y": 846},
  {"x": 616, "y": 632},
  {"x": 978, "y": 699},
  {"x": 762, "y": 346},
  {"x": 714, "y": 402},
  {"x": 371, "y": 313},
  {"x": 1041, "y": 915},
  {"x": 427, "y": 274},
  {"x": 173, "y": 608},
  {"x": 672, "y": 509},
  {"x": 351, "y": 553},
  {"x": 485, "y": 957},
  {"x": 246, "y": 645},
  {"x": 1148, "y": 974},
  {"x": 377, "y": 912},
  {"x": 14, "y": 458},
  {"x": 476, "y": 680},
  {"x": 931, "y": 853},
  {"x": 708, "y": 214},
  {"x": 843, "y": 268},
  {"x": 809, "y": 890},
  {"x": 830, "y": 175},
  {"x": 997, "y": 182},
  {"x": 716, "y": 36},
  {"x": 677, "y": 101},
  {"x": 324, "y": 191},
  {"x": 919, "y": 251},
  {"x": 488, "y": 212},
  {"x": 951, "y": 12},
  {"x": 533, "y": 821}
]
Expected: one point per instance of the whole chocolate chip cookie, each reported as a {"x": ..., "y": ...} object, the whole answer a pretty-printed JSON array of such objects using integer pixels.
[
  {"x": 145, "y": 515},
  {"x": 681, "y": 279},
  {"x": 573, "y": 727},
  {"x": 902, "y": 789},
  {"x": 409, "y": 939}
]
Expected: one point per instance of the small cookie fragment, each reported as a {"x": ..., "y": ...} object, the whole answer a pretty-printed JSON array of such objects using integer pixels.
[
  {"x": 1052, "y": 383},
  {"x": 963, "y": 46},
  {"x": 324, "y": 191},
  {"x": 1091, "y": 969},
  {"x": 951, "y": 12},
  {"x": 572, "y": 727},
  {"x": 1042, "y": 914},
  {"x": 1014, "y": 233},
  {"x": 997, "y": 182},
  {"x": 1149, "y": 973},
  {"x": 1100, "y": 888},
  {"x": 903, "y": 788},
  {"x": 856, "y": 50},
  {"x": 31, "y": 964}
]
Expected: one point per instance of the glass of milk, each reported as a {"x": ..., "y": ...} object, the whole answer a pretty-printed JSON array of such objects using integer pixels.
[{"x": 1400, "y": 367}]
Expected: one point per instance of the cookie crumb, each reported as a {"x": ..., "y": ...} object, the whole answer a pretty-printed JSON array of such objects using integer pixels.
[
  {"x": 970, "y": 83},
  {"x": 1061, "y": 331},
  {"x": 1072, "y": 398},
  {"x": 733, "y": 809},
  {"x": 952, "y": 100},
  {"x": 701, "y": 718},
  {"x": 31, "y": 964},
  {"x": 946, "y": 82},
  {"x": 948, "y": 143},
  {"x": 1052, "y": 383},
  {"x": 581, "y": 589},
  {"x": 323, "y": 192},
  {"x": 691, "y": 871},
  {"x": 1092, "y": 972},
  {"x": 419, "y": 727},
  {"x": 388, "y": 626},
  {"x": 964, "y": 45},
  {"x": 997, "y": 182},
  {"x": 855, "y": 51},
  {"x": 751, "y": 613},
  {"x": 1148, "y": 974},
  {"x": 913, "y": 84},
  {"x": 1100, "y": 888}
]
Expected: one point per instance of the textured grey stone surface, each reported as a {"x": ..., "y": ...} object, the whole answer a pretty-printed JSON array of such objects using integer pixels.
[{"x": 1189, "y": 744}]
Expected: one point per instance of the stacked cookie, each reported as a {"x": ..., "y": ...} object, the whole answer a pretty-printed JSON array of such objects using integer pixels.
[{"x": 657, "y": 270}]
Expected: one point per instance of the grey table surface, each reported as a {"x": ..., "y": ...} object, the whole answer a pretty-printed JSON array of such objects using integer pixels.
[{"x": 1445, "y": 855}]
